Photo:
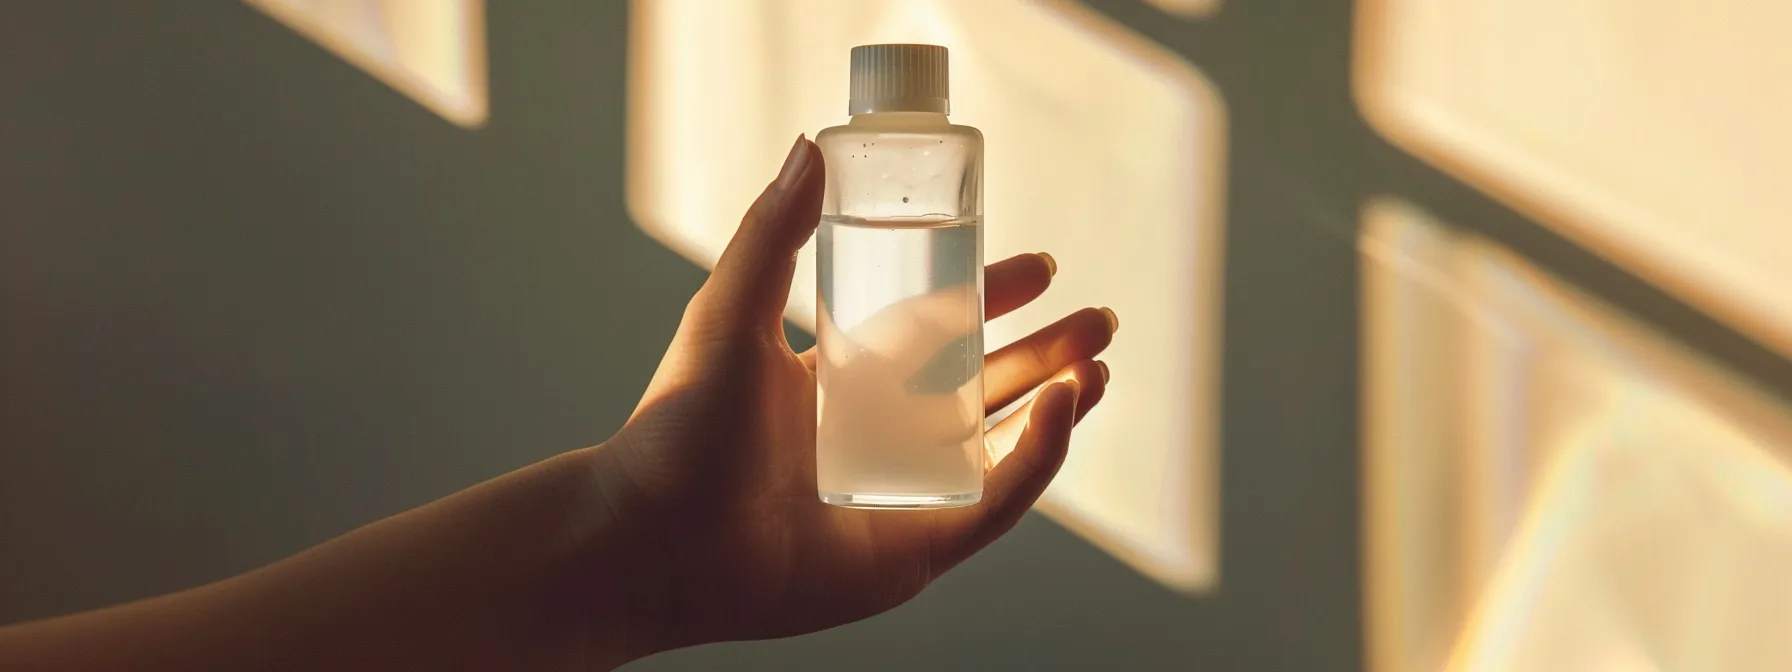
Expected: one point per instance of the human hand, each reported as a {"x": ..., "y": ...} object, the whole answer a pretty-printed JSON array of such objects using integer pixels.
[
  {"x": 699, "y": 521},
  {"x": 716, "y": 468}
]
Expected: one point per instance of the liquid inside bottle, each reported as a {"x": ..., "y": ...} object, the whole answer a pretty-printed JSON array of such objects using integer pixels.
[{"x": 900, "y": 414}]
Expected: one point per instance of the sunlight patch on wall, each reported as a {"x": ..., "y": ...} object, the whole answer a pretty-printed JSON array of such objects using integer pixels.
[
  {"x": 1188, "y": 9},
  {"x": 1103, "y": 149},
  {"x": 1651, "y": 131},
  {"x": 1549, "y": 484},
  {"x": 430, "y": 50}
]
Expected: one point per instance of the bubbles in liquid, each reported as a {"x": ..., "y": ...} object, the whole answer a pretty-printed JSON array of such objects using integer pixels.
[{"x": 900, "y": 418}]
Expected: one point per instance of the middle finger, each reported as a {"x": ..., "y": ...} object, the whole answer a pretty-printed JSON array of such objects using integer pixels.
[{"x": 1023, "y": 365}]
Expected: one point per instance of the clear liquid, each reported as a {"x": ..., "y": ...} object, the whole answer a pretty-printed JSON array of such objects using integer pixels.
[{"x": 900, "y": 336}]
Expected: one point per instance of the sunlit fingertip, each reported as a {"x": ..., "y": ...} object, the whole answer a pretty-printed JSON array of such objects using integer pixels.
[{"x": 1066, "y": 391}]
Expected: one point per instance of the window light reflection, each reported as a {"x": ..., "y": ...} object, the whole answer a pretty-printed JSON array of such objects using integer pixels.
[
  {"x": 1188, "y": 9},
  {"x": 430, "y": 50},
  {"x": 1550, "y": 485},
  {"x": 1651, "y": 131}
]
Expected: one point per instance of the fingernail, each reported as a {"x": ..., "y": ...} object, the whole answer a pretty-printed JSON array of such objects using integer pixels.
[
  {"x": 794, "y": 163},
  {"x": 1104, "y": 370},
  {"x": 1113, "y": 320},
  {"x": 1051, "y": 264},
  {"x": 1075, "y": 386}
]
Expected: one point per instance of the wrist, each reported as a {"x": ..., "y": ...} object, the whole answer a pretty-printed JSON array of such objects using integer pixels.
[{"x": 620, "y": 567}]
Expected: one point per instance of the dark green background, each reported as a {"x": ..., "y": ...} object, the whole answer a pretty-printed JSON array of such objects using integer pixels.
[{"x": 251, "y": 298}]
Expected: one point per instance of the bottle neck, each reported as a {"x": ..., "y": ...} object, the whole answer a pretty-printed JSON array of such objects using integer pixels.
[{"x": 900, "y": 119}]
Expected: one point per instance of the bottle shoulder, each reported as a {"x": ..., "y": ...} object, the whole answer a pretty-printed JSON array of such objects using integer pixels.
[
  {"x": 867, "y": 132},
  {"x": 864, "y": 146},
  {"x": 880, "y": 169}
]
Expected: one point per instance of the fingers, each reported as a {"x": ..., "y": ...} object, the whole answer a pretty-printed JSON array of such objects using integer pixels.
[
  {"x": 1009, "y": 284},
  {"x": 910, "y": 333},
  {"x": 1013, "y": 486},
  {"x": 751, "y": 282},
  {"x": 1022, "y": 365},
  {"x": 1015, "y": 282},
  {"x": 1092, "y": 380}
]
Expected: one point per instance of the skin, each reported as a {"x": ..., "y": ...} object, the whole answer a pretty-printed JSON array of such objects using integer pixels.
[{"x": 697, "y": 522}]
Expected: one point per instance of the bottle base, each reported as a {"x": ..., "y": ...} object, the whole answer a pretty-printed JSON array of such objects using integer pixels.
[{"x": 862, "y": 500}]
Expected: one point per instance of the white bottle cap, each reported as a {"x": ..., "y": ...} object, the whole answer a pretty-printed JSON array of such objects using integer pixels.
[{"x": 899, "y": 78}]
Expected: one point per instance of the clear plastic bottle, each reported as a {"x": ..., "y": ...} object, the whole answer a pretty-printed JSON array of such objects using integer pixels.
[{"x": 900, "y": 277}]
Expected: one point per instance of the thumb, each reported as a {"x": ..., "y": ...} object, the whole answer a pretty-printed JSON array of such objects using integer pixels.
[{"x": 751, "y": 282}]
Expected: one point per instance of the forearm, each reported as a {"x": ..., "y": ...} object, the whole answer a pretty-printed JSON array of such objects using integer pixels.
[{"x": 509, "y": 574}]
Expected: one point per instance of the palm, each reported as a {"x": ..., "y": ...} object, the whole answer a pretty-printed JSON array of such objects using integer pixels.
[{"x": 722, "y": 449}]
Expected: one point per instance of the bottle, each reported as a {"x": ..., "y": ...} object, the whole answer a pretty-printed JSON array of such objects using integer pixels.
[{"x": 899, "y": 414}]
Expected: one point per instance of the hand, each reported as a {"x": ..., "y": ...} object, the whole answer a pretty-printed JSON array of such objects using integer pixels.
[
  {"x": 698, "y": 522},
  {"x": 715, "y": 470}
]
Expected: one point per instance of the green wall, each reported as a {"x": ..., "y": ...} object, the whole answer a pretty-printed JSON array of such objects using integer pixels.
[{"x": 251, "y": 298}]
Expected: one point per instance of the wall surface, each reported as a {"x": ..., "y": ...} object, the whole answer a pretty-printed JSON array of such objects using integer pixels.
[{"x": 251, "y": 298}]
